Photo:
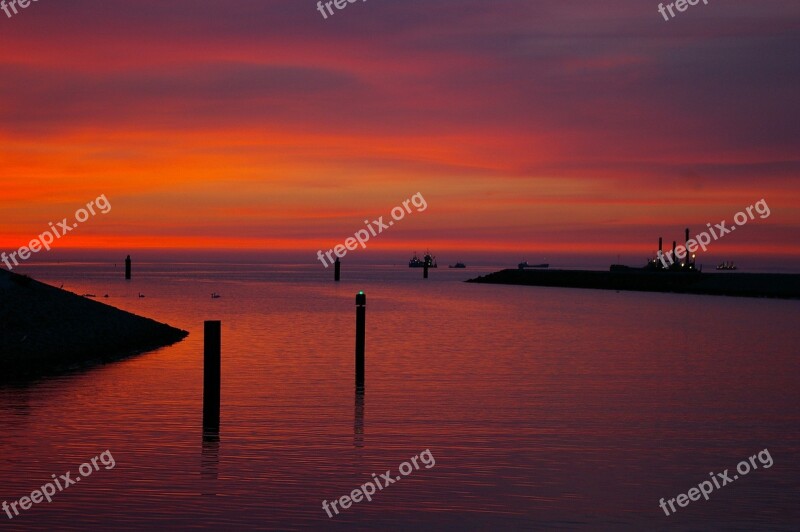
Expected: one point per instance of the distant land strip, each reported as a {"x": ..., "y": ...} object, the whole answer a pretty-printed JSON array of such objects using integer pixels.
[
  {"x": 45, "y": 330},
  {"x": 773, "y": 285}
]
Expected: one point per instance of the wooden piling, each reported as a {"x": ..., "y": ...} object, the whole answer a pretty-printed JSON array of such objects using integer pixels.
[
  {"x": 211, "y": 374},
  {"x": 361, "y": 312},
  {"x": 128, "y": 268},
  {"x": 337, "y": 269}
]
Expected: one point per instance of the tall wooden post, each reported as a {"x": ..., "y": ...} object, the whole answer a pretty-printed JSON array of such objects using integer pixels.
[
  {"x": 361, "y": 314},
  {"x": 211, "y": 374}
]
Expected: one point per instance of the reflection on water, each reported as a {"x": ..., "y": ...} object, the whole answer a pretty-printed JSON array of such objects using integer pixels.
[
  {"x": 209, "y": 463},
  {"x": 15, "y": 403},
  {"x": 358, "y": 423},
  {"x": 545, "y": 408}
]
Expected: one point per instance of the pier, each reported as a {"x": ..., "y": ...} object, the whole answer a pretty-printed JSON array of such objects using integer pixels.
[{"x": 774, "y": 285}]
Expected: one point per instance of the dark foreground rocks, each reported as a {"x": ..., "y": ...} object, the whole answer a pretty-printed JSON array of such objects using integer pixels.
[{"x": 45, "y": 330}]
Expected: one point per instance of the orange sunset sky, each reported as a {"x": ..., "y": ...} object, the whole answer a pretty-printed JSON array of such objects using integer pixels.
[{"x": 536, "y": 128}]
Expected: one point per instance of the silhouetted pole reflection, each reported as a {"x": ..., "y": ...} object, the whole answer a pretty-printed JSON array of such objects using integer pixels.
[
  {"x": 358, "y": 421},
  {"x": 337, "y": 267},
  {"x": 209, "y": 459},
  {"x": 128, "y": 268},
  {"x": 211, "y": 375},
  {"x": 361, "y": 318}
]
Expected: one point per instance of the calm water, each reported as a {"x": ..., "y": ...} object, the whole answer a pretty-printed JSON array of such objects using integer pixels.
[{"x": 543, "y": 408}]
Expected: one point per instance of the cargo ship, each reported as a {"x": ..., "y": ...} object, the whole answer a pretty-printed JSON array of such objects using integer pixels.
[{"x": 524, "y": 264}]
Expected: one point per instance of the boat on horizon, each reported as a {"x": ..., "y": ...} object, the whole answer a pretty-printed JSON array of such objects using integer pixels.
[
  {"x": 458, "y": 265},
  {"x": 727, "y": 266},
  {"x": 524, "y": 264},
  {"x": 428, "y": 259}
]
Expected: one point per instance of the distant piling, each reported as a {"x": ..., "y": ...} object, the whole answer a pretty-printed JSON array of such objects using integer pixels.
[
  {"x": 361, "y": 313},
  {"x": 425, "y": 270},
  {"x": 211, "y": 374},
  {"x": 337, "y": 270},
  {"x": 128, "y": 268}
]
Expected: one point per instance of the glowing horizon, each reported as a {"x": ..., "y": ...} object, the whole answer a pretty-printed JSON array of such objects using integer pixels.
[{"x": 572, "y": 128}]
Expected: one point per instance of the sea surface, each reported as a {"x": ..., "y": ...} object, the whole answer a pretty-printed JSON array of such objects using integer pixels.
[{"x": 544, "y": 408}]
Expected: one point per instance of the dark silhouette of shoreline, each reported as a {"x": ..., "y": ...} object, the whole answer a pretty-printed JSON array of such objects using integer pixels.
[
  {"x": 773, "y": 285},
  {"x": 45, "y": 330}
]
